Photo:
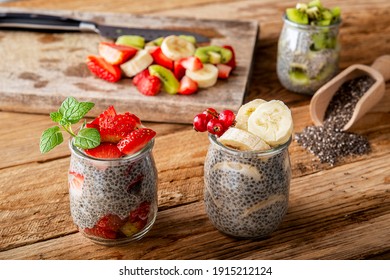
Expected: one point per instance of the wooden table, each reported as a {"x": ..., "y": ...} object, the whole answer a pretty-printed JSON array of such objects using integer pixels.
[{"x": 335, "y": 212}]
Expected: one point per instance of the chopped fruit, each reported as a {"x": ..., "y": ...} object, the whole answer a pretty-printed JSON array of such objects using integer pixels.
[
  {"x": 200, "y": 122},
  {"x": 103, "y": 117},
  {"x": 224, "y": 71},
  {"x": 141, "y": 212},
  {"x": 313, "y": 13},
  {"x": 102, "y": 69},
  {"x": 297, "y": 16},
  {"x": 107, "y": 227},
  {"x": 227, "y": 117},
  {"x": 76, "y": 181},
  {"x": 203, "y": 53},
  {"x": 138, "y": 219},
  {"x": 137, "y": 64},
  {"x": 131, "y": 40},
  {"x": 205, "y": 77},
  {"x": 215, "y": 126},
  {"x": 170, "y": 83},
  {"x": 147, "y": 84},
  {"x": 136, "y": 140},
  {"x": 175, "y": 47},
  {"x": 191, "y": 63},
  {"x": 232, "y": 62},
  {"x": 99, "y": 232},
  {"x": 178, "y": 70},
  {"x": 104, "y": 150},
  {"x": 135, "y": 185},
  {"x": 187, "y": 86},
  {"x": 115, "y": 54},
  {"x": 129, "y": 229},
  {"x": 160, "y": 59}
]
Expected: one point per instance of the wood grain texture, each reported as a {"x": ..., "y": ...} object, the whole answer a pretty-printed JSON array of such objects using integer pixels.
[
  {"x": 52, "y": 66},
  {"x": 335, "y": 212}
]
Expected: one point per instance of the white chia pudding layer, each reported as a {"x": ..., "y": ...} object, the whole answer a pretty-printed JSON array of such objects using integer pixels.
[
  {"x": 111, "y": 187},
  {"x": 246, "y": 195}
]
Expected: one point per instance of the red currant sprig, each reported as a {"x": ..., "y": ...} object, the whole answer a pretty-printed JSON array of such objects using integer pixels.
[{"x": 213, "y": 122}]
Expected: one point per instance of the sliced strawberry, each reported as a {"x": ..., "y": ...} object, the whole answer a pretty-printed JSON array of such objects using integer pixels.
[
  {"x": 160, "y": 58},
  {"x": 224, "y": 71},
  {"x": 136, "y": 140},
  {"x": 107, "y": 114},
  {"x": 102, "y": 69},
  {"x": 100, "y": 232},
  {"x": 149, "y": 85},
  {"x": 178, "y": 70},
  {"x": 110, "y": 222},
  {"x": 104, "y": 150},
  {"x": 113, "y": 129},
  {"x": 187, "y": 86},
  {"x": 143, "y": 74},
  {"x": 115, "y": 54},
  {"x": 141, "y": 213},
  {"x": 76, "y": 181},
  {"x": 191, "y": 63},
  {"x": 232, "y": 61}
]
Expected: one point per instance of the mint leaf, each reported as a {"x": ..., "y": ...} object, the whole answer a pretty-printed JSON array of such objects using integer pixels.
[
  {"x": 76, "y": 112},
  {"x": 50, "y": 138},
  {"x": 67, "y": 103},
  {"x": 87, "y": 138},
  {"x": 56, "y": 116}
]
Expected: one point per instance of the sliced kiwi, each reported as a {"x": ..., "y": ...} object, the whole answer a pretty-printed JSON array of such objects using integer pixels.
[
  {"x": 203, "y": 53},
  {"x": 170, "y": 83},
  {"x": 297, "y": 16},
  {"x": 189, "y": 38},
  {"x": 315, "y": 3},
  {"x": 156, "y": 42},
  {"x": 214, "y": 57},
  {"x": 131, "y": 40},
  {"x": 298, "y": 77}
]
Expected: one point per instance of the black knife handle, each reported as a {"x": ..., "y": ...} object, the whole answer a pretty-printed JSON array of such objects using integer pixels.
[{"x": 44, "y": 22}]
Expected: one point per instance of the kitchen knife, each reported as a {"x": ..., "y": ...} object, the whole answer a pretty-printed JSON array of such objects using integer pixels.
[{"x": 57, "y": 23}]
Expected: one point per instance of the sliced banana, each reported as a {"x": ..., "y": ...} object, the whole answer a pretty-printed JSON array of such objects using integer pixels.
[
  {"x": 245, "y": 169},
  {"x": 272, "y": 122},
  {"x": 245, "y": 111},
  {"x": 242, "y": 140},
  {"x": 175, "y": 47},
  {"x": 137, "y": 64},
  {"x": 205, "y": 77}
]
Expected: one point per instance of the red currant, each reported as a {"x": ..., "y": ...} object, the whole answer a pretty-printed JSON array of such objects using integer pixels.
[
  {"x": 227, "y": 117},
  {"x": 200, "y": 122},
  {"x": 215, "y": 126},
  {"x": 211, "y": 113}
]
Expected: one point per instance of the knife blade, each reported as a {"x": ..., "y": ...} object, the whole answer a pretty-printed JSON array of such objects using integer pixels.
[{"x": 57, "y": 23}]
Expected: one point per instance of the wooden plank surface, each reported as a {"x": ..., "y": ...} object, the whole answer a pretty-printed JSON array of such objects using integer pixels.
[
  {"x": 39, "y": 70},
  {"x": 335, "y": 212}
]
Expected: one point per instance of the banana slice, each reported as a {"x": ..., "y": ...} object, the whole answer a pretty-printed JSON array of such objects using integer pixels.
[
  {"x": 175, "y": 47},
  {"x": 205, "y": 77},
  {"x": 242, "y": 140},
  {"x": 245, "y": 111},
  {"x": 137, "y": 64},
  {"x": 244, "y": 169},
  {"x": 272, "y": 122}
]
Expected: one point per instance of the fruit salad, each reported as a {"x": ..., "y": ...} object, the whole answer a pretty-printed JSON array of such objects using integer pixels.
[
  {"x": 112, "y": 175},
  {"x": 173, "y": 64},
  {"x": 247, "y": 169},
  {"x": 308, "y": 49}
]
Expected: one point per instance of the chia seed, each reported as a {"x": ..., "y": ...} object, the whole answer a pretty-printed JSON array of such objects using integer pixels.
[{"x": 329, "y": 142}]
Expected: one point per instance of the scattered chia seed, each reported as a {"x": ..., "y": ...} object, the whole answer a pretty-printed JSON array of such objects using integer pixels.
[{"x": 329, "y": 142}]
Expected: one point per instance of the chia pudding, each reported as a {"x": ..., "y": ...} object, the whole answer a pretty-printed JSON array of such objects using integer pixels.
[
  {"x": 246, "y": 192},
  {"x": 119, "y": 195},
  {"x": 308, "y": 56}
]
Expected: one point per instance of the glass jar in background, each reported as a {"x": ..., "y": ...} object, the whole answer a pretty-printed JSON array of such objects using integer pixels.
[
  {"x": 246, "y": 193},
  {"x": 308, "y": 56},
  {"x": 113, "y": 201}
]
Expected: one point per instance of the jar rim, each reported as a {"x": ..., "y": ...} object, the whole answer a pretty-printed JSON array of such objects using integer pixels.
[
  {"x": 308, "y": 26},
  {"x": 269, "y": 152},
  {"x": 141, "y": 153}
]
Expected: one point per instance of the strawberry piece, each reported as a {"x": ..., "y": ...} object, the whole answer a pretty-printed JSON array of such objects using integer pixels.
[
  {"x": 102, "y": 69},
  {"x": 103, "y": 117},
  {"x": 104, "y": 150},
  {"x": 136, "y": 140},
  {"x": 224, "y": 71},
  {"x": 178, "y": 70},
  {"x": 113, "y": 129},
  {"x": 191, "y": 63},
  {"x": 232, "y": 62},
  {"x": 110, "y": 222},
  {"x": 76, "y": 181},
  {"x": 187, "y": 86},
  {"x": 115, "y": 54},
  {"x": 100, "y": 232},
  {"x": 160, "y": 58},
  {"x": 147, "y": 84},
  {"x": 141, "y": 213}
]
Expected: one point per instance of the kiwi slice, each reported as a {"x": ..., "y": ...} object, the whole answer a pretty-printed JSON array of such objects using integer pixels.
[
  {"x": 156, "y": 42},
  {"x": 298, "y": 77},
  {"x": 203, "y": 53},
  {"x": 315, "y": 3},
  {"x": 297, "y": 16},
  {"x": 131, "y": 40},
  {"x": 189, "y": 38},
  {"x": 170, "y": 83}
]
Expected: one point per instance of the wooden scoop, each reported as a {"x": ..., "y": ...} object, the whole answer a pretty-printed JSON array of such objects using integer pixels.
[{"x": 379, "y": 71}]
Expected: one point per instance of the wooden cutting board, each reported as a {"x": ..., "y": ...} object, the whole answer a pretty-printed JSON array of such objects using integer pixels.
[{"x": 39, "y": 70}]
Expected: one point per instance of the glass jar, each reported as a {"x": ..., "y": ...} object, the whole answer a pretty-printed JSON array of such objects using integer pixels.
[
  {"x": 308, "y": 56},
  {"x": 246, "y": 193},
  {"x": 113, "y": 201}
]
